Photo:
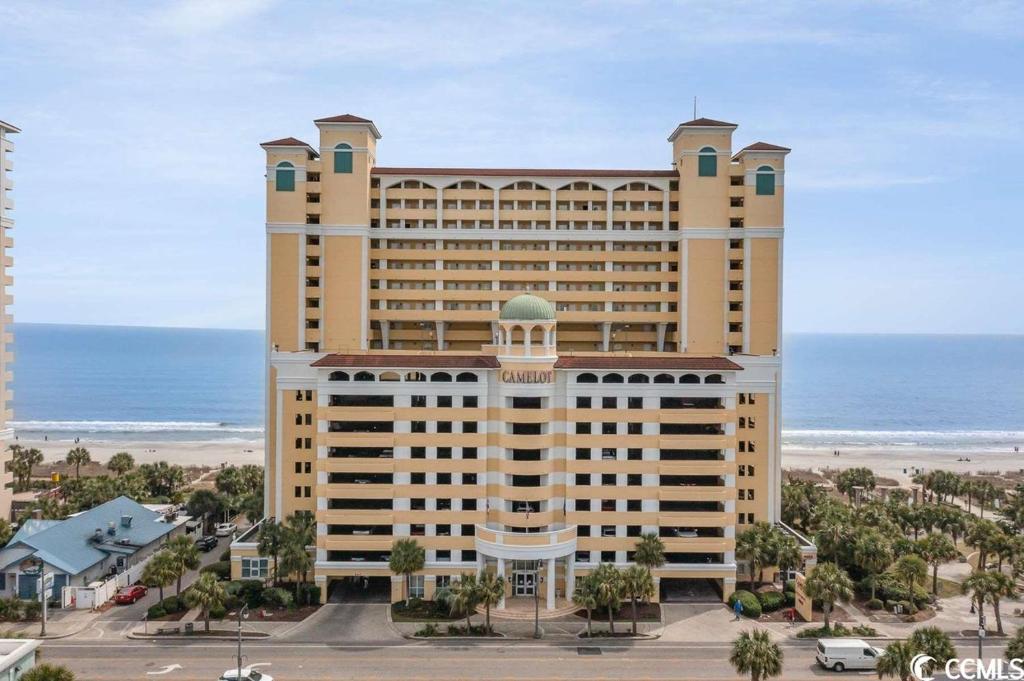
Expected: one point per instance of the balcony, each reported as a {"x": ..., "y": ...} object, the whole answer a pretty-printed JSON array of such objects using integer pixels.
[{"x": 525, "y": 546}]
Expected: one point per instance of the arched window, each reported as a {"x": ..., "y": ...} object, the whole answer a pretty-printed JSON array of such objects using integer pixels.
[
  {"x": 639, "y": 378},
  {"x": 689, "y": 378},
  {"x": 664, "y": 378},
  {"x": 707, "y": 162},
  {"x": 390, "y": 376},
  {"x": 284, "y": 177},
  {"x": 714, "y": 378},
  {"x": 586, "y": 378},
  {"x": 363, "y": 376},
  {"x": 766, "y": 181},
  {"x": 442, "y": 376},
  {"x": 611, "y": 378},
  {"x": 338, "y": 376},
  {"x": 416, "y": 376},
  {"x": 465, "y": 377},
  {"x": 343, "y": 158}
]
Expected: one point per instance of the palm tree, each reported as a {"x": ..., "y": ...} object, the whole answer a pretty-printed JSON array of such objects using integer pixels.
[
  {"x": 269, "y": 542},
  {"x": 980, "y": 585},
  {"x": 911, "y": 570},
  {"x": 937, "y": 549},
  {"x": 465, "y": 595},
  {"x": 31, "y": 458},
  {"x": 934, "y": 642},
  {"x": 586, "y": 596},
  {"x": 1015, "y": 646},
  {"x": 985, "y": 536},
  {"x": 48, "y": 672},
  {"x": 407, "y": 557},
  {"x": 206, "y": 594},
  {"x": 896, "y": 661},
  {"x": 650, "y": 551},
  {"x": 609, "y": 590},
  {"x": 829, "y": 583},
  {"x": 492, "y": 590},
  {"x": 76, "y": 457},
  {"x": 872, "y": 554},
  {"x": 749, "y": 549},
  {"x": 184, "y": 557},
  {"x": 295, "y": 559},
  {"x": 159, "y": 571},
  {"x": 6, "y": 531},
  {"x": 637, "y": 585},
  {"x": 1003, "y": 586},
  {"x": 756, "y": 654},
  {"x": 121, "y": 463}
]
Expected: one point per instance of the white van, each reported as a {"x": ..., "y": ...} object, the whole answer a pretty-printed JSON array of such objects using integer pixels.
[{"x": 839, "y": 654}]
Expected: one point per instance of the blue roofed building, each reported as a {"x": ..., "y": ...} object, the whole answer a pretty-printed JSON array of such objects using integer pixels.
[{"x": 109, "y": 539}]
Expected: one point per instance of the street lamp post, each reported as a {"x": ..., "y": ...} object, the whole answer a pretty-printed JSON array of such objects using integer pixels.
[
  {"x": 537, "y": 580},
  {"x": 243, "y": 613}
]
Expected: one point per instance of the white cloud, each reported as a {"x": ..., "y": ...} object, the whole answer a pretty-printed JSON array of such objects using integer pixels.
[{"x": 204, "y": 16}]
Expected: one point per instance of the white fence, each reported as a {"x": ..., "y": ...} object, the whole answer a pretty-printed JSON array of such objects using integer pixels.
[{"x": 98, "y": 593}]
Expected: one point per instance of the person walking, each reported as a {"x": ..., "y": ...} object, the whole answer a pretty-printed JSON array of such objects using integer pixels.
[{"x": 737, "y": 607}]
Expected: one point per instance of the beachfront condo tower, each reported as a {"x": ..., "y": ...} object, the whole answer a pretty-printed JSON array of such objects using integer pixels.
[
  {"x": 6, "y": 337},
  {"x": 524, "y": 370}
]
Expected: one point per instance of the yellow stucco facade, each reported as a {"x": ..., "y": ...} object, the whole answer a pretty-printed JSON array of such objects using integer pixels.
[
  {"x": 646, "y": 400},
  {"x": 6, "y": 321}
]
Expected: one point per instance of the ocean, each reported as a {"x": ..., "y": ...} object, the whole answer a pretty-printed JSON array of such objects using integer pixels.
[{"x": 865, "y": 391}]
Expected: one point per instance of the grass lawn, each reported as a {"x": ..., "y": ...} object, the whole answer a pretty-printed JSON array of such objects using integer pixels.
[
  {"x": 421, "y": 611},
  {"x": 948, "y": 588}
]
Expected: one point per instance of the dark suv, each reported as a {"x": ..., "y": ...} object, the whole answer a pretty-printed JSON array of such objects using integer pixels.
[{"x": 208, "y": 543}]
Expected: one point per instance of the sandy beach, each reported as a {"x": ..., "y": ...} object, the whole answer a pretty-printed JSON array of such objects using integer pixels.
[
  {"x": 900, "y": 463},
  {"x": 210, "y": 453}
]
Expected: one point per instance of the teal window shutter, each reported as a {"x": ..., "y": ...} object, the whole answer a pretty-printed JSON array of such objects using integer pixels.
[
  {"x": 707, "y": 163},
  {"x": 343, "y": 158},
  {"x": 766, "y": 181},
  {"x": 284, "y": 178}
]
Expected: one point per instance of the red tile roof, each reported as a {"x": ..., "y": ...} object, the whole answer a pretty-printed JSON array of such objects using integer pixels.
[
  {"x": 384, "y": 361},
  {"x": 525, "y": 172},
  {"x": 763, "y": 146},
  {"x": 706, "y": 123},
  {"x": 290, "y": 142},
  {"x": 649, "y": 363},
  {"x": 344, "y": 118}
]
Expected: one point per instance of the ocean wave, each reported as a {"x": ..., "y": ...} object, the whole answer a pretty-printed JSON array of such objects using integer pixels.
[
  {"x": 134, "y": 427},
  {"x": 940, "y": 439}
]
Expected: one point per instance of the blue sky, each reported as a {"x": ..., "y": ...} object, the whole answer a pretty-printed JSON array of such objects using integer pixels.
[{"x": 140, "y": 183}]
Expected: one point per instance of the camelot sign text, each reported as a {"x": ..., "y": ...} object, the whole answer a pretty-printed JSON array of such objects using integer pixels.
[{"x": 509, "y": 376}]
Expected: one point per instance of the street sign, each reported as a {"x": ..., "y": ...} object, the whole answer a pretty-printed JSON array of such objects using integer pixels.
[{"x": 981, "y": 633}]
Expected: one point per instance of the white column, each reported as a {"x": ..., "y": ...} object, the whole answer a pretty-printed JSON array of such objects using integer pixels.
[
  {"x": 606, "y": 335},
  {"x": 527, "y": 332},
  {"x": 661, "y": 336},
  {"x": 385, "y": 329},
  {"x": 551, "y": 584},
  {"x": 570, "y": 576},
  {"x": 501, "y": 573},
  {"x": 440, "y": 334}
]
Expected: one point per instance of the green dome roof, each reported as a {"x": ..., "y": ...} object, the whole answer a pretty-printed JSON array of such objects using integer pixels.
[{"x": 527, "y": 307}]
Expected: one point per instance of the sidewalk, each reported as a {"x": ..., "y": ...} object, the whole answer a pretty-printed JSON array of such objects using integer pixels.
[{"x": 59, "y": 624}]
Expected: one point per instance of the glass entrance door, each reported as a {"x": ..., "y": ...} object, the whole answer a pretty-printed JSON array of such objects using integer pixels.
[{"x": 523, "y": 584}]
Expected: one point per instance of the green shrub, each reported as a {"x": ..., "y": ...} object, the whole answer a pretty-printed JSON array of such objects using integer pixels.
[
  {"x": 888, "y": 588},
  {"x": 247, "y": 591},
  {"x": 790, "y": 586},
  {"x": 172, "y": 604},
  {"x": 33, "y": 610},
  {"x": 790, "y": 597},
  {"x": 837, "y": 630},
  {"x": 309, "y": 594},
  {"x": 771, "y": 600},
  {"x": 428, "y": 631},
  {"x": 274, "y": 597},
  {"x": 155, "y": 612},
  {"x": 226, "y": 556},
  {"x": 222, "y": 569},
  {"x": 751, "y": 606},
  {"x": 874, "y": 604},
  {"x": 865, "y": 630},
  {"x": 218, "y": 612}
]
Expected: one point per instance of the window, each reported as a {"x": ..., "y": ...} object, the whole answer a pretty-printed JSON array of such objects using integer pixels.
[
  {"x": 582, "y": 454},
  {"x": 419, "y": 400},
  {"x": 284, "y": 177},
  {"x": 766, "y": 181},
  {"x": 444, "y": 426},
  {"x": 608, "y": 403},
  {"x": 255, "y": 568},
  {"x": 636, "y": 429},
  {"x": 469, "y": 401},
  {"x": 636, "y": 403},
  {"x": 469, "y": 426},
  {"x": 343, "y": 158},
  {"x": 469, "y": 452},
  {"x": 583, "y": 403},
  {"x": 444, "y": 400},
  {"x": 416, "y": 589},
  {"x": 582, "y": 428},
  {"x": 707, "y": 162}
]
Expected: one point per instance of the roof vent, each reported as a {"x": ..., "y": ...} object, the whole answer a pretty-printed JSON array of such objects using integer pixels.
[
  {"x": 126, "y": 521},
  {"x": 111, "y": 529},
  {"x": 97, "y": 536}
]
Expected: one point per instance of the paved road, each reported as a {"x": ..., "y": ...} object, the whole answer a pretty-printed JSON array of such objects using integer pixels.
[
  {"x": 349, "y": 622},
  {"x": 485, "y": 661},
  {"x": 135, "y": 611}
]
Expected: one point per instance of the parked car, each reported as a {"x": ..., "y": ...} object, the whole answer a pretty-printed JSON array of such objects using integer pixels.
[
  {"x": 248, "y": 674},
  {"x": 225, "y": 529},
  {"x": 130, "y": 594},
  {"x": 207, "y": 543},
  {"x": 839, "y": 654}
]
